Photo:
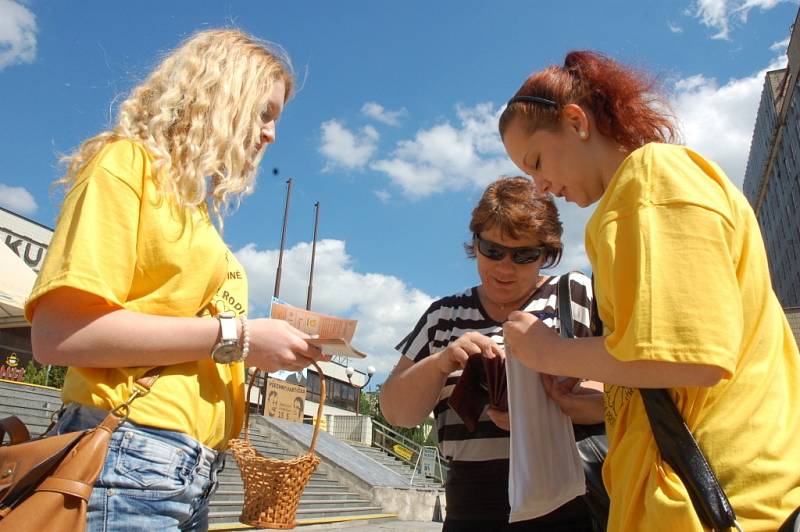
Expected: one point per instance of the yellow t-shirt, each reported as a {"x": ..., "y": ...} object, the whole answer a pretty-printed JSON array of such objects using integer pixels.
[
  {"x": 118, "y": 238},
  {"x": 681, "y": 276}
]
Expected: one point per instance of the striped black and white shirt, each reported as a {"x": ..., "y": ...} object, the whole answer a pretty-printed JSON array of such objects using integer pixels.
[{"x": 449, "y": 318}]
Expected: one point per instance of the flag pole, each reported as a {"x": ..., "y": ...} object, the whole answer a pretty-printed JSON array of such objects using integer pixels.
[
  {"x": 262, "y": 400},
  {"x": 277, "y": 291},
  {"x": 313, "y": 256}
]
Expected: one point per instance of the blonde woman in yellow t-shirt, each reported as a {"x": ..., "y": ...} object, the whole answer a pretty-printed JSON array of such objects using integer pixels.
[
  {"x": 137, "y": 273},
  {"x": 683, "y": 287}
]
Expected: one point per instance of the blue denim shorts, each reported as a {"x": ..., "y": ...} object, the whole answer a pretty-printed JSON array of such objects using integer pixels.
[{"x": 152, "y": 479}]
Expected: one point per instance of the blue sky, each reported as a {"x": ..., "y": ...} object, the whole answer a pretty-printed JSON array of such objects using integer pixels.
[{"x": 393, "y": 129}]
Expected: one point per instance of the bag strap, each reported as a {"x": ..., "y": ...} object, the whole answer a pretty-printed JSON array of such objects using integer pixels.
[
  {"x": 16, "y": 430},
  {"x": 679, "y": 449},
  {"x": 565, "y": 327},
  {"x": 596, "y": 324},
  {"x": 143, "y": 385}
]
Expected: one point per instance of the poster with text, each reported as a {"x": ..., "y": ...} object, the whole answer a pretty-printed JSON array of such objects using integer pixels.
[{"x": 285, "y": 400}]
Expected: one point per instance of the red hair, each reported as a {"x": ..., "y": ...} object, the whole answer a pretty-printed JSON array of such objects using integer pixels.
[{"x": 624, "y": 102}]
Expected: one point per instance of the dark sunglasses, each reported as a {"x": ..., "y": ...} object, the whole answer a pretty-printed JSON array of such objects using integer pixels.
[{"x": 494, "y": 251}]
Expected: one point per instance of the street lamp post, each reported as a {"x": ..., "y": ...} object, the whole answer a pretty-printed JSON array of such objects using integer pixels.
[{"x": 349, "y": 371}]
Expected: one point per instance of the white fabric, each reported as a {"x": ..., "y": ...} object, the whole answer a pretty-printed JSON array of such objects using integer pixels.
[
  {"x": 545, "y": 470},
  {"x": 16, "y": 283}
]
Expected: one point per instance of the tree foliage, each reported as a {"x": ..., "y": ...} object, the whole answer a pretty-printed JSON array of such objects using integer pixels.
[
  {"x": 369, "y": 405},
  {"x": 36, "y": 374}
]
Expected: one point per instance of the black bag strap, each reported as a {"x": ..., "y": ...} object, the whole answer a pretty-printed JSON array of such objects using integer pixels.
[
  {"x": 564, "y": 307},
  {"x": 679, "y": 449}
]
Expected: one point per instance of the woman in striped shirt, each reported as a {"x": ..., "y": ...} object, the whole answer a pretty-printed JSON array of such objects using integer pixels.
[{"x": 516, "y": 233}]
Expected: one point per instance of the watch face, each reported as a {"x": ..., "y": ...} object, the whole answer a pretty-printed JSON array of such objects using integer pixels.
[{"x": 227, "y": 353}]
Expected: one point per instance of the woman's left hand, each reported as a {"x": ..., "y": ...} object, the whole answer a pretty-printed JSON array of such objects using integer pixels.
[
  {"x": 499, "y": 418},
  {"x": 525, "y": 336}
]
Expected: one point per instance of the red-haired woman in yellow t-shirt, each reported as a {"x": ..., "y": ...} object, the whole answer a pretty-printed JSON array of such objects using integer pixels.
[{"x": 683, "y": 287}]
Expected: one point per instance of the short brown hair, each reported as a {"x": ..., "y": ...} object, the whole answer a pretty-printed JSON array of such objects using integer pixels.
[{"x": 515, "y": 206}]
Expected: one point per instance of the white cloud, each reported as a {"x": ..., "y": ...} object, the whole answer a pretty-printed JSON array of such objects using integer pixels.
[
  {"x": 17, "y": 199},
  {"x": 386, "y": 308},
  {"x": 446, "y": 157},
  {"x": 574, "y": 219},
  {"x": 722, "y": 14},
  {"x": 674, "y": 28},
  {"x": 346, "y": 149},
  {"x": 385, "y": 116},
  {"x": 382, "y": 195},
  {"x": 780, "y": 46},
  {"x": 718, "y": 120},
  {"x": 17, "y": 34}
]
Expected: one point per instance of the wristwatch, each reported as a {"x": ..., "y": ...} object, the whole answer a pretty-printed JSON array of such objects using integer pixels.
[{"x": 227, "y": 350}]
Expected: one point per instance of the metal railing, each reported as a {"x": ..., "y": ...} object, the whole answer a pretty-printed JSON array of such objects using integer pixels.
[{"x": 409, "y": 451}]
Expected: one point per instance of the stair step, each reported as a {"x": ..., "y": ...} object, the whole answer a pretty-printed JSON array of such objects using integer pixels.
[
  {"x": 305, "y": 504},
  {"x": 339, "y": 512},
  {"x": 237, "y": 496},
  {"x": 306, "y": 521},
  {"x": 320, "y": 482},
  {"x": 235, "y": 476}
]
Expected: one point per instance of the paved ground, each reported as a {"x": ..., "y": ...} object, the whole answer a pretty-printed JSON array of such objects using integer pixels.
[{"x": 382, "y": 526}]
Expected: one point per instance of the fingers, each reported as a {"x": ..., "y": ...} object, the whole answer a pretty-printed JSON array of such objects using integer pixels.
[
  {"x": 474, "y": 343},
  {"x": 498, "y": 351},
  {"x": 521, "y": 318},
  {"x": 552, "y": 388},
  {"x": 548, "y": 382},
  {"x": 297, "y": 332},
  {"x": 276, "y": 345},
  {"x": 460, "y": 355},
  {"x": 516, "y": 315},
  {"x": 567, "y": 384},
  {"x": 499, "y": 418}
]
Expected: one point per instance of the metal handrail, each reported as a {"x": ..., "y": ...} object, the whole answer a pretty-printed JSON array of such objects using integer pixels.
[
  {"x": 415, "y": 448},
  {"x": 396, "y": 435}
]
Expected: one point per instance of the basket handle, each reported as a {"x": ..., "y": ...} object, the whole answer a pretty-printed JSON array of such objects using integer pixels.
[
  {"x": 319, "y": 407},
  {"x": 322, "y": 393}
]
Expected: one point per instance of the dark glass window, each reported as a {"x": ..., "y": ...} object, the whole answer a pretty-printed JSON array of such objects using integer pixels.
[{"x": 338, "y": 394}]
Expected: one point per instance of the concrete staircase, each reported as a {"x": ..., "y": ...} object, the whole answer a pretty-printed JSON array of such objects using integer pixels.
[
  {"x": 325, "y": 500},
  {"x": 32, "y": 404},
  {"x": 398, "y": 466}
]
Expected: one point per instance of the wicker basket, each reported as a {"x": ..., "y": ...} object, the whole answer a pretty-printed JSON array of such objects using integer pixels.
[{"x": 272, "y": 488}]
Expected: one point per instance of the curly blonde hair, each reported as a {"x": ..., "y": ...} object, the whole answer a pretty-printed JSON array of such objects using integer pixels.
[{"x": 199, "y": 116}]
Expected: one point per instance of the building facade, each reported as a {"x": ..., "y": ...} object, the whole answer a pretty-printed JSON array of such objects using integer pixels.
[
  {"x": 772, "y": 177},
  {"x": 28, "y": 240}
]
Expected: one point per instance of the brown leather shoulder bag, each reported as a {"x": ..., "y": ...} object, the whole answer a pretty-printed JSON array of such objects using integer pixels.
[{"x": 45, "y": 483}]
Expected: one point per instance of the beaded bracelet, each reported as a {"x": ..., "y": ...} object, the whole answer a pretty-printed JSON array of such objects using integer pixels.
[{"x": 245, "y": 336}]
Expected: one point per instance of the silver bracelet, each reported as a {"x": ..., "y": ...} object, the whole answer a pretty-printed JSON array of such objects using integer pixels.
[{"x": 245, "y": 336}]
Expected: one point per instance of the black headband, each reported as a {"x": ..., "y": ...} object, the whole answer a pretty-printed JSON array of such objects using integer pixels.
[{"x": 533, "y": 99}]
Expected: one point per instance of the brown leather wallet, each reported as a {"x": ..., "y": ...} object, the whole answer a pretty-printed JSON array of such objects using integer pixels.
[{"x": 482, "y": 381}]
